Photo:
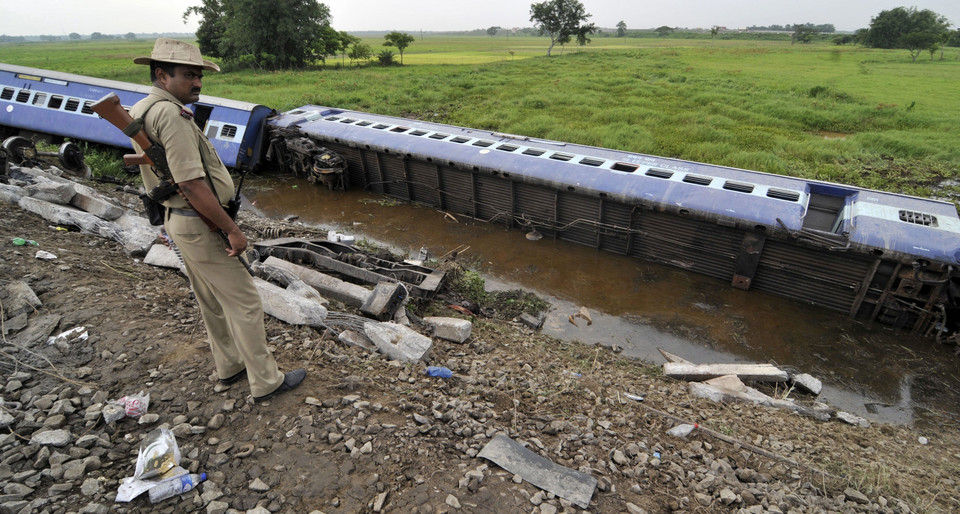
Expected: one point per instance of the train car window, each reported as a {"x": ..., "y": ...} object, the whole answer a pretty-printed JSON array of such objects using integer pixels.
[
  {"x": 653, "y": 172},
  {"x": 483, "y": 144},
  {"x": 364, "y": 123},
  {"x": 201, "y": 113},
  {"x": 698, "y": 180},
  {"x": 228, "y": 132},
  {"x": 438, "y": 135},
  {"x": 535, "y": 152},
  {"x": 86, "y": 107},
  {"x": 418, "y": 132},
  {"x": 919, "y": 218},
  {"x": 738, "y": 186},
  {"x": 508, "y": 148},
  {"x": 624, "y": 166},
  {"x": 783, "y": 194},
  {"x": 55, "y": 102},
  {"x": 380, "y": 126},
  {"x": 590, "y": 161},
  {"x": 561, "y": 156},
  {"x": 7, "y": 93},
  {"x": 23, "y": 95},
  {"x": 348, "y": 120},
  {"x": 460, "y": 139},
  {"x": 40, "y": 99},
  {"x": 332, "y": 118},
  {"x": 212, "y": 131},
  {"x": 72, "y": 104},
  {"x": 399, "y": 130}
]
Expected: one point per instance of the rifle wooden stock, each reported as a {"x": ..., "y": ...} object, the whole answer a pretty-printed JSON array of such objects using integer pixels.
[{"x": 110, "y": 109}]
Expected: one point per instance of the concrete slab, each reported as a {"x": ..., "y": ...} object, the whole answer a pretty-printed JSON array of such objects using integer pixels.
[
  {"x": 398, "y": 342},
  {"x": 450, "y": 329}
]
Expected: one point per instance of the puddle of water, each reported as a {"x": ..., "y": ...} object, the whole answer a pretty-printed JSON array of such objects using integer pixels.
[{"x": 640, "y": 306}]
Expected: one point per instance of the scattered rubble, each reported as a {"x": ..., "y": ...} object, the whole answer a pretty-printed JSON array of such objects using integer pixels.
[{"x": 368, "y": 433}]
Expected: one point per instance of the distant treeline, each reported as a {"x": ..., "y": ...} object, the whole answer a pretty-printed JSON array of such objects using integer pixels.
[{"x": 826, "y": 27}]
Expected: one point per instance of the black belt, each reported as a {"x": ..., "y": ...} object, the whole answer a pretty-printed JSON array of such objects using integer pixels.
[{"x": 184, "y": 212}]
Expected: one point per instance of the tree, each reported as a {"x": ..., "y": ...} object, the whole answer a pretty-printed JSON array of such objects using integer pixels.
[
  {"x": 74, "y": 36},
  {"x": 621, "y": 29},
  {"x": 802, "y": 33},
  {"x": 360, "y": 51},
  {"x": 663, "y": 31},
  {"x": 266, "y": 33},
  {"x": 345, "y": 41},
  {"x": 401, "y": 40},
  {"x": 129, "y": 35},
  {"x": 905, "y": 28},
  {"x": 714, "y": 30},
  {"x": 492, "y": 31},
  {"x": 561, "y": 20},
  {"x": 385, "y": 57}
]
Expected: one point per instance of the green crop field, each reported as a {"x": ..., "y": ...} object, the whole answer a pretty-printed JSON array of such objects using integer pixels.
[{"x": 846, "y": 114}]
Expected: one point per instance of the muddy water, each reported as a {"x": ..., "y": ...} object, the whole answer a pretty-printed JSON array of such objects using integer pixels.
[{"x": 873, "y": 372}]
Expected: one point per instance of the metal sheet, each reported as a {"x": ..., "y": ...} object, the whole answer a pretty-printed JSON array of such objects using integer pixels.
[{"x": 562, "y": 481}]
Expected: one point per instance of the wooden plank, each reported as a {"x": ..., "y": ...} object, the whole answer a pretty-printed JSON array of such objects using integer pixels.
[{"x": 748, "y": 372}]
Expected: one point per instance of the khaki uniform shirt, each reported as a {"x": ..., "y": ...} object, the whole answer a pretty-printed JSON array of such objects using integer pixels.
[{"x": 190, "y": 154}]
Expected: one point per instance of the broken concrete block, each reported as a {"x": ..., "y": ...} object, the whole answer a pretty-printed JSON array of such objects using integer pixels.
[
  {"x": 289, "y": 307},
  {"x": 335, "y": 289},
  {"x": 534, "y": 322},
  {"x": 451, "y": 329},
  {"x": 397, "y": 341},
  {"x": 730, "y": 383},
  {"x": 384, "y": 301},
  {"x": 852, "y": 419},
  {"x": 351, "y": 338},
  {"x": 96, "y": 205},
  {"x": 19, "y": 298},
  {"x": 807, "y": 383},
  {"x": 133, "y": 231},
  {"x": 48, "y": 191},
  {"x": 10, "y": 194},
  {"x": 162, "y": 256}
]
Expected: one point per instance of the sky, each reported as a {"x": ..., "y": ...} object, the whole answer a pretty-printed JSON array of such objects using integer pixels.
[{"x": 61, "y": 17}]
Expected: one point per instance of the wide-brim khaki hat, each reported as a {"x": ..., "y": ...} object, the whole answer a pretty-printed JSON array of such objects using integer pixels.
[{"x": 177, "y": 52}]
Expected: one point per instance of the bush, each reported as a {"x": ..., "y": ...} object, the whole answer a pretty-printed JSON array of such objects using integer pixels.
[{"x": 386, "y": 58}]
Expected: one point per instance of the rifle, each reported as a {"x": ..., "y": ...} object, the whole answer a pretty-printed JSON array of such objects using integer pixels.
[{"x": 110, "y": 109}]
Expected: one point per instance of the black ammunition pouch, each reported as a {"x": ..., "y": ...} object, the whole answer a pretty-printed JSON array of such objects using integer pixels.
[{"x": 153, "y": 201}]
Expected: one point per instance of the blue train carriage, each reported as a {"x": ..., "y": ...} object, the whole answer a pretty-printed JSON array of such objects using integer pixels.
[
  {"x": 873, "y": 255},
  {"x": 35, "y": 101}
]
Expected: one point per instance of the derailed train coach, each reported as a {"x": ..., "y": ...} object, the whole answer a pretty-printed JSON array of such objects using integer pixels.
[
  {"x": 52, "y": 104},
  {"x": 874, "y": 255}
]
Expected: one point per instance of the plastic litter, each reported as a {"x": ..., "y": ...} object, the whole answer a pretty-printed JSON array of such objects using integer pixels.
[
  {"x": 19, "y": 241},
  {"x": 157, "y": 461},
  {"x": 682, "y": 430},
  {"x": 135, "y": 405},
  {"x": 74, "y": 335},
  {"x": 175, "y": 486},
  {"x": 439, "y": 371},
  {"x": 45, "y": 256}
]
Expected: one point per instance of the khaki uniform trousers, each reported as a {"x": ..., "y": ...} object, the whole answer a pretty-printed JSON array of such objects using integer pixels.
[{"x": 229, "y": 302}]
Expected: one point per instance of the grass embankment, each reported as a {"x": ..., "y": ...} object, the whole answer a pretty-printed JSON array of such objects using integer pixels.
[{"x": 866, "y": 117}]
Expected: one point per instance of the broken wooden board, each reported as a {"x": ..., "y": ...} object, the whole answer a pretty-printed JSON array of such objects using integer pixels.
[
  {"x": 748, "y": 372},
  {"x": 551, "y": 477}
]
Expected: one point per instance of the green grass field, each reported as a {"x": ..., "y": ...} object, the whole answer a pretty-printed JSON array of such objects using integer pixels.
[{"x": 866, "y": 117}]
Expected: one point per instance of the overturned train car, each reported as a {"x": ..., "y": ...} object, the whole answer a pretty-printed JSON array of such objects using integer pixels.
[{"x": 873, "y": 255}]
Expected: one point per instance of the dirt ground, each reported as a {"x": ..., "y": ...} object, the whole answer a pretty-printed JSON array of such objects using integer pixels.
[{"x": 364, "y": 434}]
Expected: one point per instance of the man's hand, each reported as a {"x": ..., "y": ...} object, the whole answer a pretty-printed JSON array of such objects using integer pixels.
[{"x": 237, "y": 242}]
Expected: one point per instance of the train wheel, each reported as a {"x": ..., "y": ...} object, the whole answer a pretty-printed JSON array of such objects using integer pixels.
[
  {"x": 19, "y": 149},
  {"x": 71, "y": 157}
]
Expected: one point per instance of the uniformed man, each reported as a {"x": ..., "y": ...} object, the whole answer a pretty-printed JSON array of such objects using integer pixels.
[{"x": 228, "y": 299}]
